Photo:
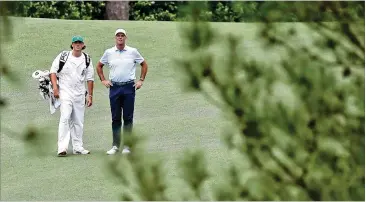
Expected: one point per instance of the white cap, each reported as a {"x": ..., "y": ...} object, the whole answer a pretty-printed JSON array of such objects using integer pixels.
[{"x": 120, "y": 31}]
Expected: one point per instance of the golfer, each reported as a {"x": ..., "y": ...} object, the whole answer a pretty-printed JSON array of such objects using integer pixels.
[
  {"x": 122, "y": 60},
  {"x": 72, "y": 69}
]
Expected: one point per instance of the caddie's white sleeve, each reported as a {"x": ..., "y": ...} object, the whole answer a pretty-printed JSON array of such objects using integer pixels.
[
  {"x": 55, "y": 64},
  {"x": 90, "y": 72}
]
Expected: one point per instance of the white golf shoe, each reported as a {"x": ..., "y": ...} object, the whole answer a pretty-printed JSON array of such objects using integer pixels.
[
  {"x": 126, "y": 150},
  {"x": 113, "y": 150},
  {"x": 81, "y": 151}
]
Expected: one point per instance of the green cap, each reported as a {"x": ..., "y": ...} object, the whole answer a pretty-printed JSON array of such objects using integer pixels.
[{"x": 77, "y": 38}]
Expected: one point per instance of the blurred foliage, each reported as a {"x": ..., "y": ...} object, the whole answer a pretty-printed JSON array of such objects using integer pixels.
[
  {"x": 141, "y": 174},
  {"x": 5, "y": 36},
  {"x": 35, "y": 140},
  {"x": 299, "y": 117},
  {"x": 217, "y": 11}
]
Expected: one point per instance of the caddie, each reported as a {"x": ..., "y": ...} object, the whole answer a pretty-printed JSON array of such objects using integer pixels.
[{"x": 70, "y": 72}]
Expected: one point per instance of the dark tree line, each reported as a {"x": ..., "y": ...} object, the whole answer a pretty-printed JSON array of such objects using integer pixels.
[{"x": 217, "y": 11}]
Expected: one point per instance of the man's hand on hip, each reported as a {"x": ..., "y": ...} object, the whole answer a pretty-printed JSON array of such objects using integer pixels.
[
  {"x": 107, "y": 83},
  {"x": 138, "y": 84}
]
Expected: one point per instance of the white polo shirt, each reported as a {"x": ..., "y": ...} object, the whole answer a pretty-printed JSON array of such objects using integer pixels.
[
  {"x": 122, "y": 64},
  {"x": 73, "y": 75}
]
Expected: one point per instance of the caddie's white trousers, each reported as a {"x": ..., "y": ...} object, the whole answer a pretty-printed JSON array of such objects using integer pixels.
[{"x": 71, "y": 123}]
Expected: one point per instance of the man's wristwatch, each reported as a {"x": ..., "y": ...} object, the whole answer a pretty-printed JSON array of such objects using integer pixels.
[{"x": 141, "y": 79}]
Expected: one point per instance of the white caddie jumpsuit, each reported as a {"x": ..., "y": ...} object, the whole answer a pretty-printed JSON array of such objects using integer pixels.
[{"x": 72, "y": 88}]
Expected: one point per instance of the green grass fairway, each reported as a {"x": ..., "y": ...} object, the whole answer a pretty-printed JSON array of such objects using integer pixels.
[{"x": 171, "y": 119}]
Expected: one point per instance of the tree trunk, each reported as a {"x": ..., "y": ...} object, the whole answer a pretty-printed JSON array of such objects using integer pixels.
[{"x": 117, "y": 10}]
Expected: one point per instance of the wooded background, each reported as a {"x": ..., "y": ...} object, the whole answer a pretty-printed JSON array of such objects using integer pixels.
[{"x": 218, "y": 11}]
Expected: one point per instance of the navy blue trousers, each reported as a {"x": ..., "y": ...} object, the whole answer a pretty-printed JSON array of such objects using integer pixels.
[{"x": 122, "y": 102}]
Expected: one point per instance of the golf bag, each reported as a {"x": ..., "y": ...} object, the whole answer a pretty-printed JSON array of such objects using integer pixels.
[
  {"x": 45, "y": 88},
  {"x": 44, "y": 83}
]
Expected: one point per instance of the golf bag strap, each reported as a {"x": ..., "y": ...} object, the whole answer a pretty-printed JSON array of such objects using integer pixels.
[
  {"x": 63, "y": 58},
  {"x": 87, "y": 60}
]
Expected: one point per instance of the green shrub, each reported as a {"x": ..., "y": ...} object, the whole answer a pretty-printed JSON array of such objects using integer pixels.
[
  {"x": 75, "y": 10},
  {"x": 154, "y": 10}
]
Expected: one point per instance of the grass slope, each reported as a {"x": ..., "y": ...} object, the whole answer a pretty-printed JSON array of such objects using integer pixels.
[{"x": 171, "y": 119}]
